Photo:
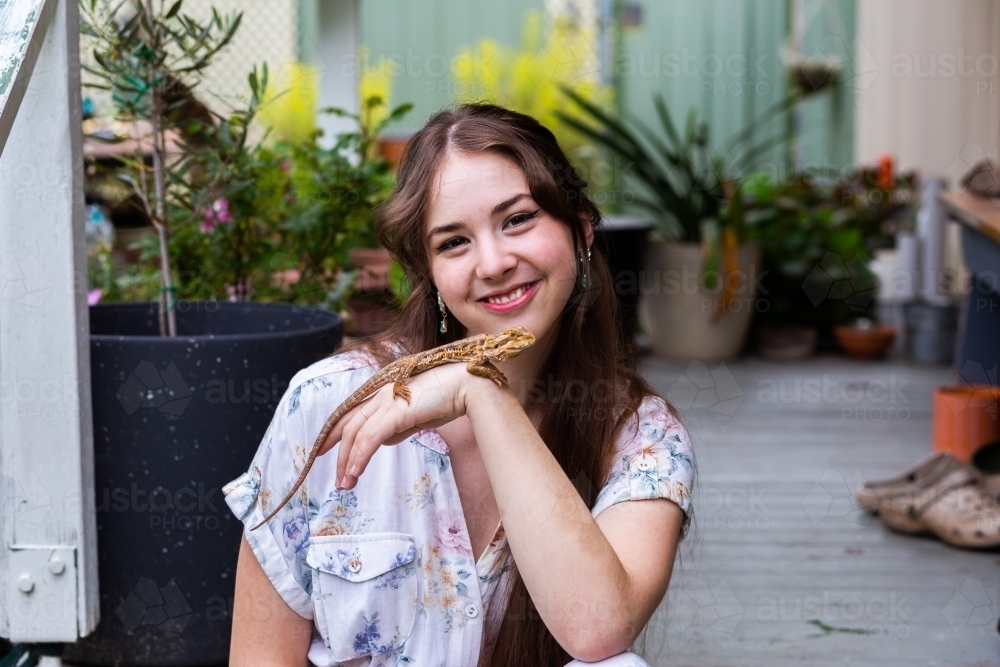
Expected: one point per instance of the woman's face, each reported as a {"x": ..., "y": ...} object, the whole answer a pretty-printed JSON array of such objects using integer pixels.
[{"x": 489, "y": 242}]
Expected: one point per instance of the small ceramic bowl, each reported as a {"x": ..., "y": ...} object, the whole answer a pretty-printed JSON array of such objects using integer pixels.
[{"x": 860, "y": 342}]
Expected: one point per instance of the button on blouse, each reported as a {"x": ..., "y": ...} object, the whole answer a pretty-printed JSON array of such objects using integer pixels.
[{"x": 385, "y": 570}]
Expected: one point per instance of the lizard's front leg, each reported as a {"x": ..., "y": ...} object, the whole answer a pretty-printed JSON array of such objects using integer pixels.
[
  {"x": 399, "y": 387},
  {"x": 480, "y": 366}
]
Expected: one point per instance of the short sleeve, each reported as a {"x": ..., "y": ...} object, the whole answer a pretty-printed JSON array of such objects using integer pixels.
[
  {"x": 280, "y": 545},
  {"x": 653, "y": 459}
]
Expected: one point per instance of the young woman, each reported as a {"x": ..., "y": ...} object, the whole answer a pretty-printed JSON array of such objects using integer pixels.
[{"x": 474, "y": 524}]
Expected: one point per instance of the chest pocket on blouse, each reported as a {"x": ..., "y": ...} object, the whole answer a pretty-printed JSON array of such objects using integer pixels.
[{"x": 364, "y": 591}]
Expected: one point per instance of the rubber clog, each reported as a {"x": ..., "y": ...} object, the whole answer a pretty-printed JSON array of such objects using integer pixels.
[
  {"x": 956, "y": 508},
  {"x": 924, "y": 473}
]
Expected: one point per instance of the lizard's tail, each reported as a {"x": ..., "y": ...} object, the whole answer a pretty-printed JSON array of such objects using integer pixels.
[{"x": 284, "y": 501}]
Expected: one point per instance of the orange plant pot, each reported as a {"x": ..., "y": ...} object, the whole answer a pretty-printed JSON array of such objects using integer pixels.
[{"x": 965, "y": 419}]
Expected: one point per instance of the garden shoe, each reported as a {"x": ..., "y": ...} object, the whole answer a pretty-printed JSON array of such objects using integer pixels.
[
  {"x": 986, "y": 461},
  {"x": 956, "y": 508},
  {"x": 927, "y": 471}
]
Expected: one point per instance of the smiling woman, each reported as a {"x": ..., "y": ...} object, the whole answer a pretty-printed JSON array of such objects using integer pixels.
[{"x": 474, "y": 524}]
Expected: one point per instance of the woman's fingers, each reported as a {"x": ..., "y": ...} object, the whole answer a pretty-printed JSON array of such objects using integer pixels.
[
  {"x": 352, "y": 422},
  {"x": 379, "y": 428}
]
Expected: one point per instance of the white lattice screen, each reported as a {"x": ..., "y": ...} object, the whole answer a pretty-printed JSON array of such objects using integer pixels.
[{"x": 268, "y": 32}]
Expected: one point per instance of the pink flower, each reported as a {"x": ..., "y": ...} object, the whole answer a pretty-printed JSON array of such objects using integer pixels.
[
  {"x": 451, "y": 532},
  {"x": 94, "y": 296},
  {"x": 218, "y": 214}
]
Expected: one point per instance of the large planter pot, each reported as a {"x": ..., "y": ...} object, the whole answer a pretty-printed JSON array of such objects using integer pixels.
[
  {"x": 174, "y": 420},
  {"x": 683, "y": 319}
]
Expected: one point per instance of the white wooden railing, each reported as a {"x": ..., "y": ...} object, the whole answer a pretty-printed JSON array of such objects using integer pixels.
[{"x": 48, "y": 535}]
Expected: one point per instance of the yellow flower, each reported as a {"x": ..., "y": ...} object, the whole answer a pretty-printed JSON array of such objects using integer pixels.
[
  {"x": 289, "y": 110},
  {"x": 447, "y": 578},
  {"x": 448, "y": 601}
]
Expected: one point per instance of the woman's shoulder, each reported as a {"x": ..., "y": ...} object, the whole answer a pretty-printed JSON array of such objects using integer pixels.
[
  {"x": 332, "y": 378},
  {"x": 653, "y": 458},
  {"x": 653, "y": 420}
]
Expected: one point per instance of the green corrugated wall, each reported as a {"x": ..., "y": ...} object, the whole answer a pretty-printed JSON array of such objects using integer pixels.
[
  {"x": 722, "y": 56},
  {"x": 428, "y": 34}
]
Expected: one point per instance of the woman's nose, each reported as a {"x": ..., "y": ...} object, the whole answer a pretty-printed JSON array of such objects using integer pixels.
[{"x": 494, "y": 261}]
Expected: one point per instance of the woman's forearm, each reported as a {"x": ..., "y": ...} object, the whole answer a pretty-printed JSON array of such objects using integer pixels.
[{"x": 574, "y": 576}]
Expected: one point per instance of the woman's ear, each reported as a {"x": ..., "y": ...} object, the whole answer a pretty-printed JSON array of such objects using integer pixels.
[{"x": 588, "y": 231}]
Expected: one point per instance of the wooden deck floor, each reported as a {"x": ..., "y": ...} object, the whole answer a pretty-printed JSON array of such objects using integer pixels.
[{"x": 780, "y": 568}]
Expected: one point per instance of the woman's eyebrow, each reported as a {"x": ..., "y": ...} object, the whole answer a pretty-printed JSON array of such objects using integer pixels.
[
  {"x": 507, "y": 203},
  {"x": 499, "y": 208}
]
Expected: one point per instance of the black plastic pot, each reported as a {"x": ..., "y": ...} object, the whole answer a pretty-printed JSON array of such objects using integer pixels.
[
  {"x": 174, "y": 420},
  {"x": 623, "y": 241}
]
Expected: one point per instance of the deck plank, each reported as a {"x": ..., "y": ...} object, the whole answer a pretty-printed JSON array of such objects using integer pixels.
[{"x": 780, "y": 567}]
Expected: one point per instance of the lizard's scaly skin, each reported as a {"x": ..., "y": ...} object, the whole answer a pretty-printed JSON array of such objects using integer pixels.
[{"x": 477, "y": 351}]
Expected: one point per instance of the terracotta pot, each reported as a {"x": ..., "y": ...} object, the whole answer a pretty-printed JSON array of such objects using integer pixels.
[
  {"x": 371, "y": 317},
  {"x": 965, "y": 419},
  {"x": 861, "y": 343},
  {"x": 373, "y": 264},
  {"x": 391, "y": 149},
  {"x": 786, "y": 343},
  {"x": 682, "y": 318}
]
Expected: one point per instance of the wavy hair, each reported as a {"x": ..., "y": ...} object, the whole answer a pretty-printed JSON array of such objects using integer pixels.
[{"x": 589, "y": 350}]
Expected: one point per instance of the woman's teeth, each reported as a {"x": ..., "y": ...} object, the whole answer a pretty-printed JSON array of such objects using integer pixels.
[{"x": 510, "y": 296}]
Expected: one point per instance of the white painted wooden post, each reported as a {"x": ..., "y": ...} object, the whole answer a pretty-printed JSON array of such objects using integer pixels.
[
  {"x": 338, "y": 65},
  {"x": 48, "y": 554}
]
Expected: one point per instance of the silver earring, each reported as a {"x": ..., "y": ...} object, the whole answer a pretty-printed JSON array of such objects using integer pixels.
[
  {"x": 443, "y": 328},
  {"x": 583, "y": 269}
]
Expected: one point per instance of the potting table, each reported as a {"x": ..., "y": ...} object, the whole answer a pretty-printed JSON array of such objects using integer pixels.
[{"x": 978, "y": 358}]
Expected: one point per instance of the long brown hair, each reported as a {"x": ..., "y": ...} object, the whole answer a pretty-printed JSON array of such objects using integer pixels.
[{"x": 578, "y": 423}]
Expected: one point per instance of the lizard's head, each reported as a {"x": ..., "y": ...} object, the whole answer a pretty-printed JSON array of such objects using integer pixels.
[{"x": 510, "y": 343}]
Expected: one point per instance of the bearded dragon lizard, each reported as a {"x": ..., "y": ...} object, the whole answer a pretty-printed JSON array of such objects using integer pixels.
[{"x": 478, "y": 351}]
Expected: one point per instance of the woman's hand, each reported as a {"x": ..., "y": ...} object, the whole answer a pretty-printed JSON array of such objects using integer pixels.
[{"x": 437, "y": 396}]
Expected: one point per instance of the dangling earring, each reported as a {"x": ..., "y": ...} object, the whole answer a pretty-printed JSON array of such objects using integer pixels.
[
  {"x": 583, "y": 269},
  {"x": 443, "y": 328}
]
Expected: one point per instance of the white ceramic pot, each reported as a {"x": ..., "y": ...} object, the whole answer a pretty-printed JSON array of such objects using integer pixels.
[{"x": 682, "y": 319}]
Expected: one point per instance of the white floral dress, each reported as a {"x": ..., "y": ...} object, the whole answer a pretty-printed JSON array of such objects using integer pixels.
[{"x": 385, "y": 570}]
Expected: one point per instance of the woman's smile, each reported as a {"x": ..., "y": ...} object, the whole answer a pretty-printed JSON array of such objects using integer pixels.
[{"x": 504, "y": 302}]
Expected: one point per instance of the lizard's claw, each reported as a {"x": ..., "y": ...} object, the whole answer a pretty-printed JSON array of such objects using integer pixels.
[
  {"x": 399, "y": 388},
  {"x": 484, "y": 369}
]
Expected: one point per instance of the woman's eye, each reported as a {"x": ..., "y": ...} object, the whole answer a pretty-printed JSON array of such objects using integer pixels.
[
  {"x": 450, "y": 243},
  {"x": 522, "y": 217}
]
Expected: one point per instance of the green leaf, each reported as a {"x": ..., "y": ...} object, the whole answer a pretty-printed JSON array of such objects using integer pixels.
[{"x": 399, "y": 283}]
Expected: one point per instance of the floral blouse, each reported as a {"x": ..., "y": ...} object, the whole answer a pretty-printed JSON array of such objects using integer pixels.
[{"x": 385, "y": 570}]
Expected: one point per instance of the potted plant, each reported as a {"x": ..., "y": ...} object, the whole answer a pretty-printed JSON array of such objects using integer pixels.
[
  {"x": 185, "y": 380},
  {"x": 816, "y": 239},
  {"x": 698, "y": 284}
]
